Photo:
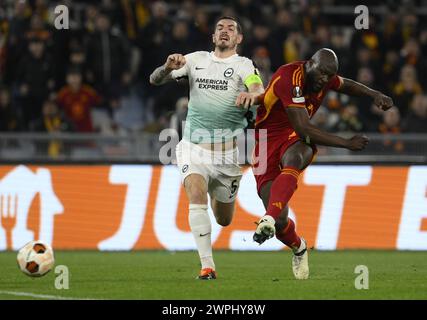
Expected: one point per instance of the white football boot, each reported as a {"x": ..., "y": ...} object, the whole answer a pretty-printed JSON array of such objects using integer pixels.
[
  {"x": 265, "y": 229},
  {"x": 300, "y": 262}
]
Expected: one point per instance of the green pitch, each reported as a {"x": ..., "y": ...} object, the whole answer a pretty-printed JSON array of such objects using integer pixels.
[{"x": 242, "y": 275}]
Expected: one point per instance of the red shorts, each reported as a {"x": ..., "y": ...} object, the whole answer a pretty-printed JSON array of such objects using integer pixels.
[{"x": 268, "y": 168}]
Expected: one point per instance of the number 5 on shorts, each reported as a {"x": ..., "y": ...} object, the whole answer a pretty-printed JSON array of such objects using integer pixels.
[{"x": 234, "y": 187}]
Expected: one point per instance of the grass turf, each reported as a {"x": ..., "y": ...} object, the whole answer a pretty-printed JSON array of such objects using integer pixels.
[{"x": 242, "y": 275}]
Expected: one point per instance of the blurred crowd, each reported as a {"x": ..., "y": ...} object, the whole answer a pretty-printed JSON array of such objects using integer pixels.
[{"x": 94, "y": 76}]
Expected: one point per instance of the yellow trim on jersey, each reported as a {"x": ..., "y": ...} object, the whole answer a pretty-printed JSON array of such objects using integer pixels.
[
  {"x": 296, "y": 76},
  {"x": 299, "y": 76},
  {"x": 253, "y": 78},
  {"x": 269, "y": 100}
]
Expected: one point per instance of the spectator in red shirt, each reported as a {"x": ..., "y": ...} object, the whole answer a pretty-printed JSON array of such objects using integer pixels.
[{"x": 77, "y": 99}]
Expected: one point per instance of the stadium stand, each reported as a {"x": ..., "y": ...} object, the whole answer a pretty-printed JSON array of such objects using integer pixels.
[{"x": 113, "y": 46}]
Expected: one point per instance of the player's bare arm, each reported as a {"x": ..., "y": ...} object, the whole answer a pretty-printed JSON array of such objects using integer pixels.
[
  {"x": 162, "y": 74},
  {"x": 311, "y": 134},
  {"x": 354, "y": 88},
  {"x": 252, "y": 97}
]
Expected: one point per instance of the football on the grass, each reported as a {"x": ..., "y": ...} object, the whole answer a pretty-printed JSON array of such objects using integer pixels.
[{"x": 35, "y": 259}]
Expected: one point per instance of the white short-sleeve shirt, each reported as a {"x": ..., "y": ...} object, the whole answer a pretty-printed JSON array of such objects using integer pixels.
[{"x": 214, "y": 84}]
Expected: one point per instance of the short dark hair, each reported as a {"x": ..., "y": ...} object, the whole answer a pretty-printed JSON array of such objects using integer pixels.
[{"x": 239, "y": 26}]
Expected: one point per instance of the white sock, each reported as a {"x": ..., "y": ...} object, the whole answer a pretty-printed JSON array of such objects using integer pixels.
[
  {"x": 200, "y": 225},
  {"x": 301, "y": 247}
]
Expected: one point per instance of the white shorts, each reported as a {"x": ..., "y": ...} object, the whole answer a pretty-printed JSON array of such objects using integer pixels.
[{"x": 219, "y": 168}]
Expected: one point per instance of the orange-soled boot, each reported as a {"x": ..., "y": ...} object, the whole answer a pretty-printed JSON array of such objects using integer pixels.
[{"x": 207, "y": 274}]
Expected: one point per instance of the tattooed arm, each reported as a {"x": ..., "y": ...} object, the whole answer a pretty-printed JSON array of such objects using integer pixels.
[{"x": 163, "y": 73}]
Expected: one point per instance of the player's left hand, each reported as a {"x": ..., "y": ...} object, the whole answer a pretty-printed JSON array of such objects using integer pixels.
[
  {"x": 382, "y": 101},
  {"x": 246, "y": 99}
]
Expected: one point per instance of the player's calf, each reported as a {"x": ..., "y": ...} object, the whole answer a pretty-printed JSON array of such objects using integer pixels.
[
  {"x": 288, "y": 236},
  {"x": 223, "y": 212},
  {"x": 223, "y": 222}
]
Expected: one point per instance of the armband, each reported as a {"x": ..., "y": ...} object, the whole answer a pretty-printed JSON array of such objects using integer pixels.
[{"x": 253, "y": 79}]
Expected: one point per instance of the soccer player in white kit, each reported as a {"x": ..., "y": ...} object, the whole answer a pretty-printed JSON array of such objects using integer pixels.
[{"x": 223, "y": 85}]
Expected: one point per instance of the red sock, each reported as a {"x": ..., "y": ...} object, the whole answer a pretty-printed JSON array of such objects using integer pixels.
[
  {"x": 282, "y": 190},
  {"x": 289, "y": 236}
]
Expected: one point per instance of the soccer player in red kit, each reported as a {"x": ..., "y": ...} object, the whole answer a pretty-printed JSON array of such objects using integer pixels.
[{"x": 292, "y": 97}]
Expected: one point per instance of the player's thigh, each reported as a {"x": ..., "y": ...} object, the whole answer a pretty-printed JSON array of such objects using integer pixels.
[
  {"x": 299, "y": 155},
  {"x": 194, "y": 172},
  {"x": 270, "y": 172},
  {"x": 196, "y": 188}
]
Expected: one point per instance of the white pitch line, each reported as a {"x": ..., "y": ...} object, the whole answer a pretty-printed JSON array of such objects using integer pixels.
[{"x": 40, "y": 296}]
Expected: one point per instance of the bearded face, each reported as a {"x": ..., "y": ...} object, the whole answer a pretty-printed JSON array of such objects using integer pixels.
[{"x": 227, "y": 35}]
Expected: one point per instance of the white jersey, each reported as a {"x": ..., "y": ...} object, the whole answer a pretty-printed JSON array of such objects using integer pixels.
[{"x": 215, "y": 84}]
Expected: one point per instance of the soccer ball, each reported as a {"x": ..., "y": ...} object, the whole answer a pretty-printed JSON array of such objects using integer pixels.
[{"x": 35, "y": 259}]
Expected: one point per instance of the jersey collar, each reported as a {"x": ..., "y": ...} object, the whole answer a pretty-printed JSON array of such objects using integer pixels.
[{"x": 215, "y": 58}]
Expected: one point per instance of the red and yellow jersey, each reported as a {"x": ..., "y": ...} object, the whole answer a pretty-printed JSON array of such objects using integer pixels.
[
  {"x": 77, "y": 105},
  {"x": 286, "y": 89}
]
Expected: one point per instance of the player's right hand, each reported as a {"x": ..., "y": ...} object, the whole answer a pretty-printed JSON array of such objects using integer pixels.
[
  {"x": 175, "y": 61},
  {"x": 357, "y": 143},
  {"x": 383, "y": 102},
  {"x": 247, "y": 99}
]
